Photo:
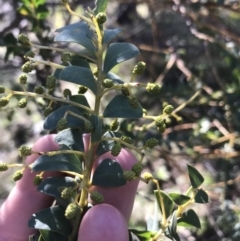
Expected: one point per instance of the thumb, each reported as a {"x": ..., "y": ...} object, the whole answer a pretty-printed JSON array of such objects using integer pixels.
[{"x": 103, "y": 222}]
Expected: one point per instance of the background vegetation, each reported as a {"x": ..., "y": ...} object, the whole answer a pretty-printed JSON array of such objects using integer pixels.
[{"x": 193, "y": 49}]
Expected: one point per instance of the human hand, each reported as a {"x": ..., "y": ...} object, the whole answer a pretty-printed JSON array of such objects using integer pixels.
[{"x": 102, "y": 222}]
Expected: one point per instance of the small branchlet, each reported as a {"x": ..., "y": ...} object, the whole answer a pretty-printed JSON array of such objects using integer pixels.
[
  {"x": 129, "y": 175},
  {"x": 72, "y": 210},
  {"x": 116, "y": 149},
  {"x": 139, "y": 68},
  {"x": 97, "y": 197},
  {"x": 153, "y": 88},
  {"x": 25, "y": 151}
]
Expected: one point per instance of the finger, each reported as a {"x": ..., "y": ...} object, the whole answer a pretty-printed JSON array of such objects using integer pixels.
[
  {"x": 24, "y": 199},
  {"x": 103, "y": 222},
  {"x": 120, "y": 197}
]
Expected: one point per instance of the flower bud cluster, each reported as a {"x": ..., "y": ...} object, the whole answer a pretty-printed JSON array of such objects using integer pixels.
[
  {"x": 82, "y": 89},
  {"x": 153, "y": 88},
  {"x": 168, "y": 109},
  {"x": 37, "y": 180},
  {"x": 17, "y": 175},
  {"x": 28, "y": 67},
  {"x": 67, "y": 93},
  {"x": 88, "y": 127},
  {"x": 62, "y": 124},
  {"x": 129, "y": 175},
  {"x": 47, "y": 111},
  {"x": 116, "y": 149},
  {"x": 137, "y": 168},
  {"x": 147, "y": 176},
  {"x": 3, "y": 167},
  {"x": 151, "y": 142},
  {"x": 51, "y": 82},
  {"x": 160, "y": 123},
  {"x": 133, "y": 102},
  {"x": 127, "y": 139},
  {"x": 97, "y": 197},
  {"x": 72, "y": 210},
  {"x": 39, "y": 89},
  {"x": 101, "y": 18},
  {"x": 125, "y": 91},
  {"x": 139, "y": 68},
  {"x": 30, "y": 54},
  {"x": 25, "y": 151},
  {"x": 66, "y": 57},
  {"x": 4, "y": 101},
  {"x": 114, "y": 125},
  {"x": 67, "y": 193},
  {"x": 2, "y": 89},
  {"x": 22, "y": 103},
  {"x": 22, "y": 79},
  {"x": 107, "y": 83},
  {"x": 22, "y": 38}
]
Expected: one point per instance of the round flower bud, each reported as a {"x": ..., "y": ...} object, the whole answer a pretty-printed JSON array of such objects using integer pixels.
[
  {"x": 17, "y": 175},
  {"x": 39, "y": 89},
  {"x": 25, "y": 151},
  {"x": 37, "y": 180},
  {"x": 168, "y": 109},
  {"x": 129, "y": 175},
  {"x": 22, "y": 38},
  {"x": 125, "y": 91},
  {"x": 47, "y": 111},
  {"x": 114, "y": 125},
  {"x": 139, "y": 68},
  {"x": 67, "y": 93},
  {"x": 107, "y": 83},
  {"x": 82, "y": 89},
  {"x": 137, "y": 168},
  {"x": 116, "y": 149},
  {"x": 22, "y": 79},
  {"x": 2, "y": 89},
  {"x": 4, "y": 101},
  {"x": 159, "y": 122},
  {"x": 3, "y": 167},
  {"x": 147, "y": 176},
  {"x": 30, "y": 54},
  {"x": 62, "y": 124},
  {"x": 67, "y": 193},
  {"x": 101, "y": 18},
  {"x": 88, "y": 127},
  {"x": 127, "y": 139},
  {"x": 153, "y": 88},
  {"x": 66, "y": 57},
  {"x": 97, "y": 197},
  {"x": 22, "y": 103},
  {"x": 161, "y": 129},
  {"x": 28, "y": 67},
  {"x": 152, "y": 142},
  {"x": 133, "y": 102},
  {"x": 72, "y": 210},
  {"x": 51, "y": 82}
]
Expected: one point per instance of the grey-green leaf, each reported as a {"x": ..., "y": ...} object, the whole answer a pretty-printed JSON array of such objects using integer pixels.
[
  {"x": 109, "y": 173},
  {"x": 75, "y": 36},
  {"x": 189, "y": 219},
  {"x": 117, "y": 53},
  {"x": 60, "y": 162},
  {"x": 168, "y": 203},
  {"x": 51, "y": 121},
  {"x": 115, "y": 78},
  {"x": 72, "y": 138},
  {"x": 80, "y": 99},
  {"x": 201, "y": 196},
  {"x": 196, "y": 178},
  {"x": 179, "y": 199},
  {"x": 79, "y": 75},
  {"x": 52, "y": 219},
  {"x": 119, "y": 107},
  {"x": 109, "y": 34}
]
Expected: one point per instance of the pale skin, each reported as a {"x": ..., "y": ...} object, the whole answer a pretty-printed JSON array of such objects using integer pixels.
[{"x": 102, "y": 222}]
